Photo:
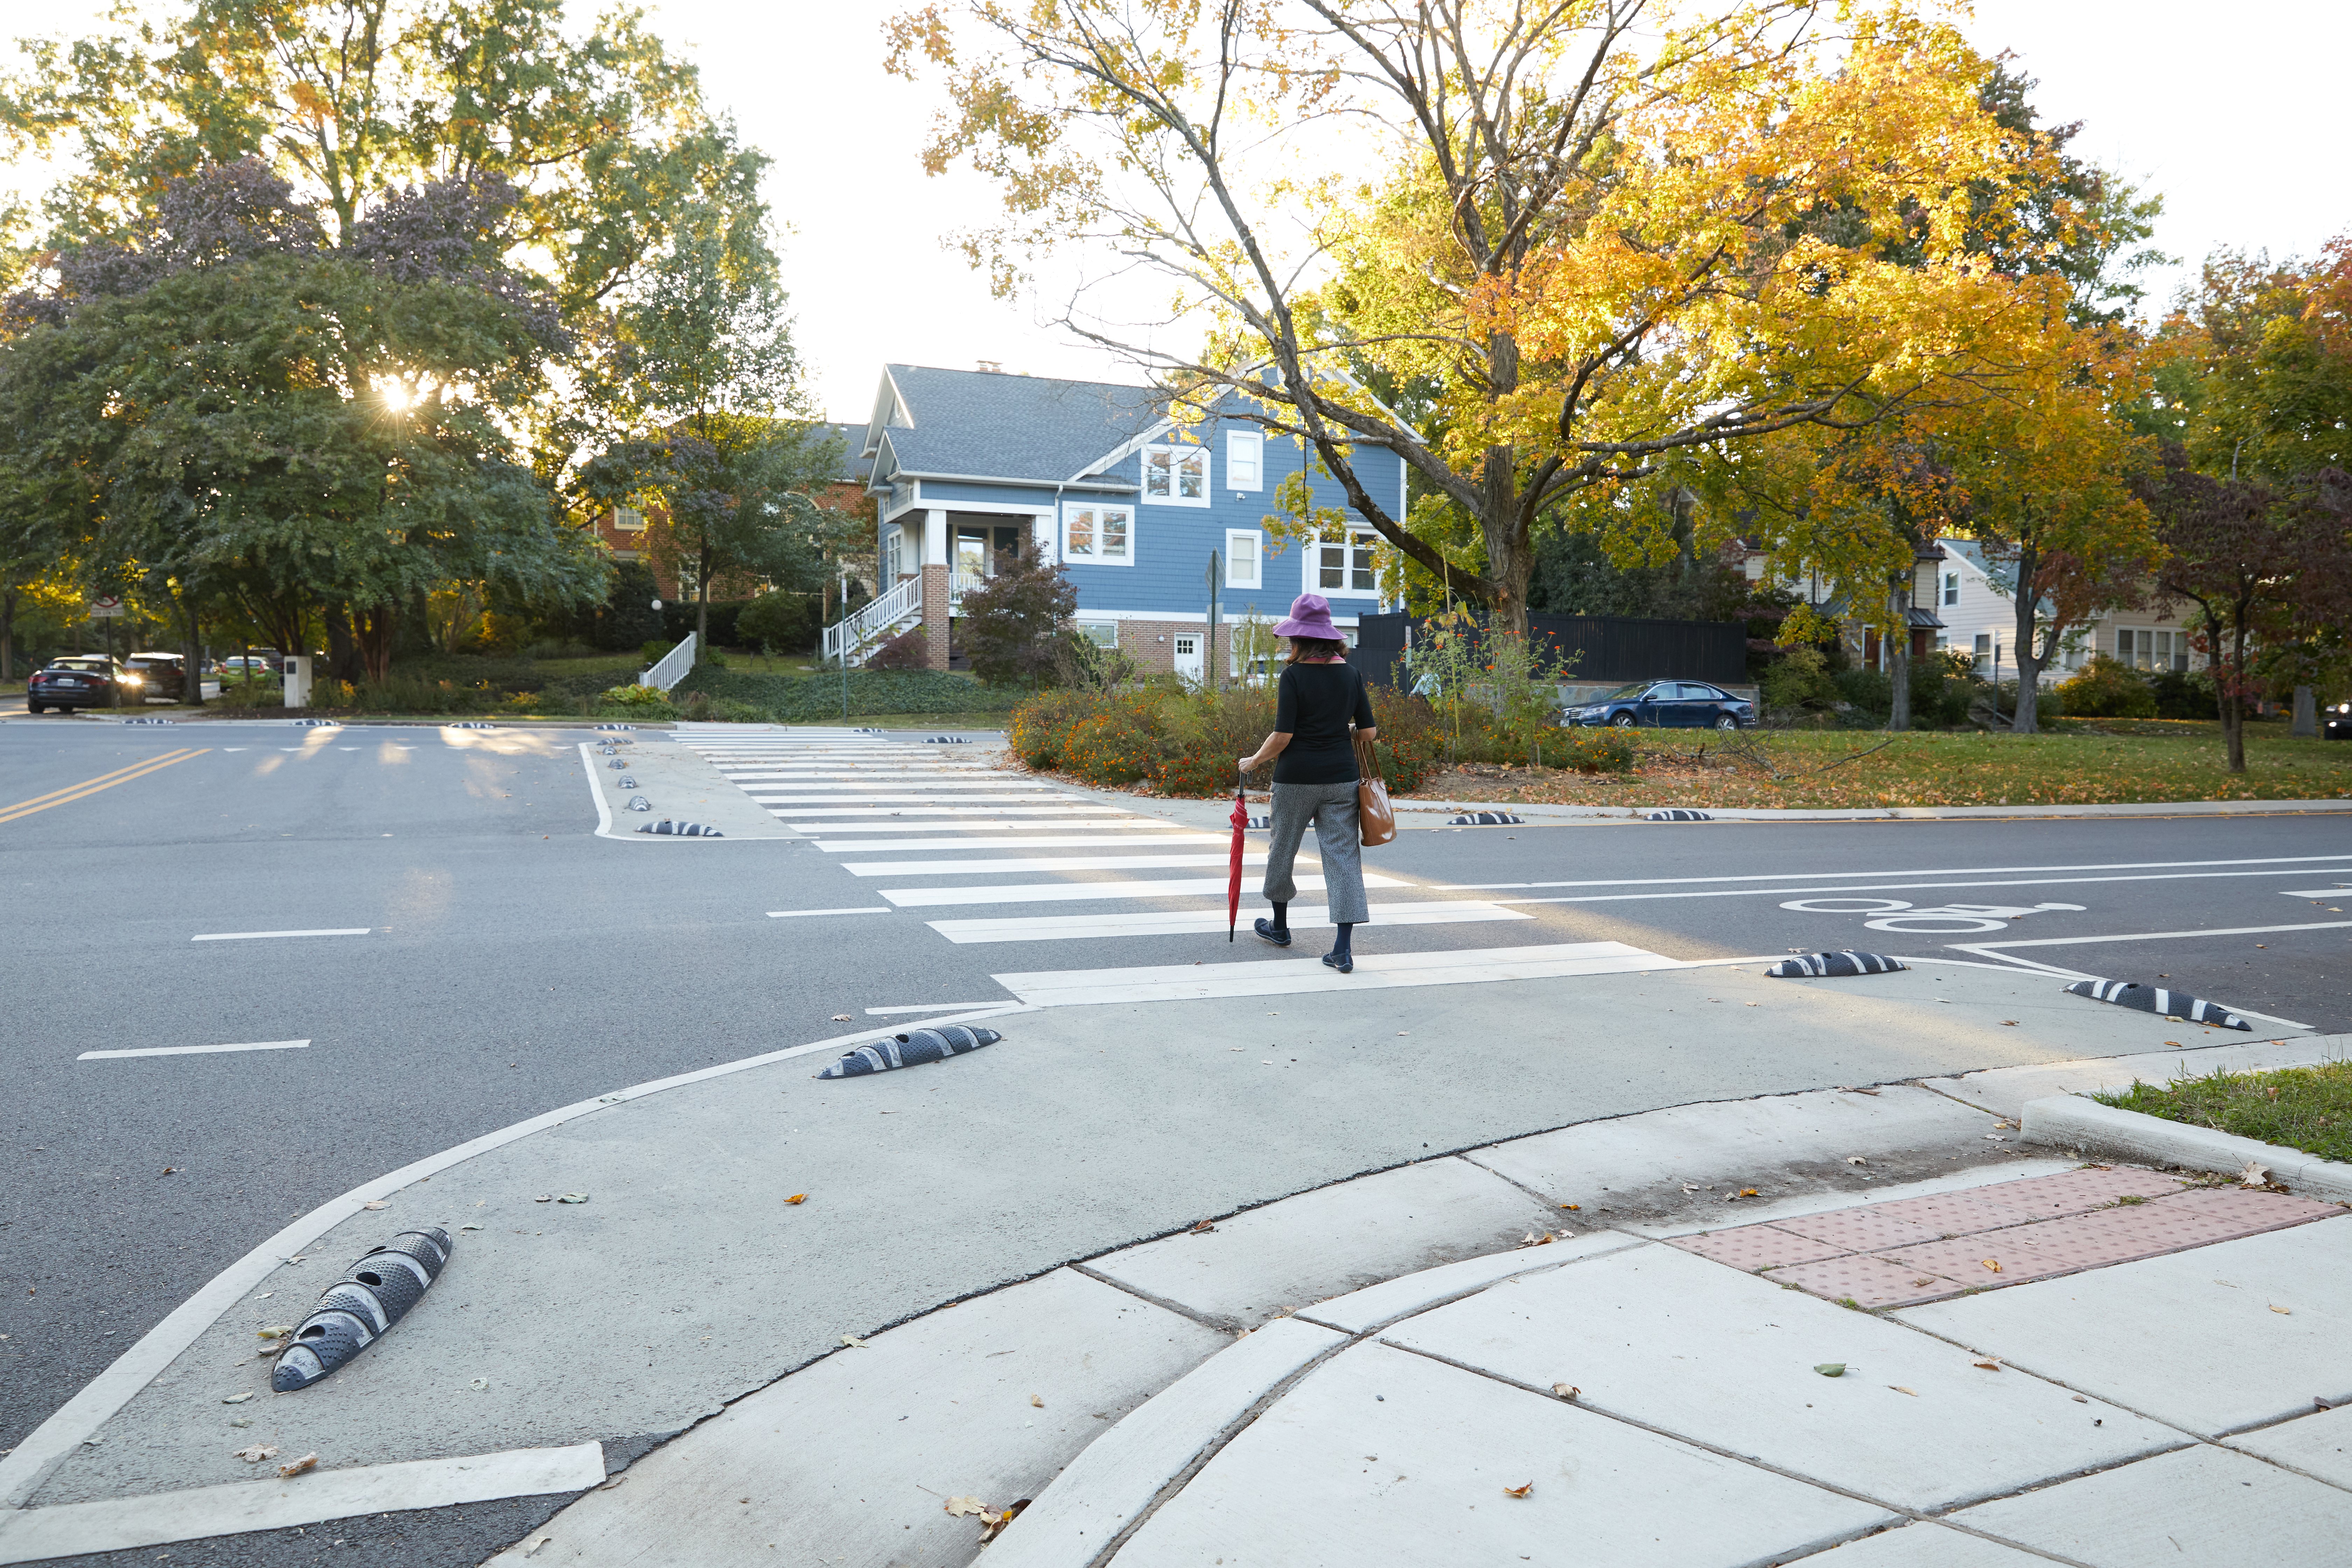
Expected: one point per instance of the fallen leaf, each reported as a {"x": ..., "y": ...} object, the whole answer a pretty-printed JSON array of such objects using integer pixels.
[
  {"x": 1202, "y": 1228},
  {"x": 256, "y": 1454},
  {"x": 375, "y": 1203},
  {"x": 1519, "y": 1492},
  {"x": 996, "y": 1523},
  {"x": 295, "y": 1466},
  {"x": 960, "y": 1506},
  {"x": 1993, "y": 1264},
  {"x": 840, "y": 1018},
  {"x": 2172, "y": 1042},
  {"x": 1038, "y": 1403},
  {"x": 1928, "y": 1281},
  {"x": 2254, "y": 1174},
  {"x": 1831, "y": 1369},
  {"x": 854, "y": 1342},
  {"x": 478, "y": 1383},
  {"x": 532, "y": 1550},
  {"x": 1742, "y": 1193},
  {"x": 171, "y": 1170},
  {"x": 238, "y": 1398},
  {"x": 797, "y": 1198},
  {"x": 1534, "y": 1239},
  {"x": 2283, "y": 1312},
  {"x": 1572, "y": 1206},
  {"x": 1751, "y": 1004},
  {"x": 469, "y": 1228},
  {"x": 1990, "y": 1365},
  {"x": 274, "y": 1332},
  {"x": 1900, "y": 1389},
  {"x": 573, "y": 1198},
  {"x": 544, "y": 1198},
  {"x": 1855, "y": 1160},
  {"x": 1566, "y": 1390}
]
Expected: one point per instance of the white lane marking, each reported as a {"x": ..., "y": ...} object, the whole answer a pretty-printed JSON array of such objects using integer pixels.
[
  {"x": 254, "y": 935},
  {"x": 195, "y": 1050},
  {"x": 2312, "y": 893},
  {"x": 1043, "y": 863},
  {"x": 1171, "y": 837},
  {"x": 2164, "y": 935},
  {"x": 993, "y": 824},
  {"x": 933, "y": 1007},
  {"x": 1910, "y": 871},
  {"x": 1892, "y": 887},
  {"x": 1126, "y": 823},
  {"x": 772, "y": 800},
  {"x": 116, "y": 1524},
  {"x": 1189, "y": 922},
  {"x": 866, "y": 909},
  {"x": 1047, "y": 892},
  {"x": 1045, "y": 812},
  {"x": 1174, "y": 982}
]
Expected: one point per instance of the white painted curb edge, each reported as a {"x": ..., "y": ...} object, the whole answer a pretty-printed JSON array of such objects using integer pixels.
[
  {"x": 2072, "y": 1122},
  {"x": 30, "y": 1462}
]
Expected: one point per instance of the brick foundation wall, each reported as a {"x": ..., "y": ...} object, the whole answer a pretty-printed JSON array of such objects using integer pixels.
[{"x": 1152, "y": 645}]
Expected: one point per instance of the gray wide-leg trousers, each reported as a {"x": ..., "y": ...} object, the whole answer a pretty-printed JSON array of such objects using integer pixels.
[{"x": 1332, "y": 809}]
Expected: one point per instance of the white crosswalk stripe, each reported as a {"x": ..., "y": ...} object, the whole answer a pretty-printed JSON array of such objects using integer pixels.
[{"x": 917, "y": 804}]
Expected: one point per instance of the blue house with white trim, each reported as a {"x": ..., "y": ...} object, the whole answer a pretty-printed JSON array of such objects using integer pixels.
[{"x": 965, "y": 464}]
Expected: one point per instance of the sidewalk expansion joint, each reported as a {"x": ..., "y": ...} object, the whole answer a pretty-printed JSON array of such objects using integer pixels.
[{"x": 1221, "y": 1325}]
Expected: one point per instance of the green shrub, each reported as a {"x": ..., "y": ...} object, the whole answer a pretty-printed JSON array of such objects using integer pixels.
[
  {"x": 1870, "y": 691},
  {"x": 2108, "y": 689},
  {"x": 816, "y": 699},
  {"x": 1205, "y": 732},
  {"x": 1799, "y": 681},
  {"x": 654, "y": 652},
  {"x": 1412, "y": 738},
  {"x": 910, "y": 649},
  {"x": 1011, "y": 622},
  {"x": 2184, "y": 694},
  {"x": 1120, "y": 743},
  {"x": 1039, "y": 729},
  {"x": 1590, "y": 750},
  {"x": 651, "y": 700},
  {"x": 781, "y": 623}
]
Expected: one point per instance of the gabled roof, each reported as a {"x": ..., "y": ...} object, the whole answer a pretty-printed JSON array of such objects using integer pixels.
[
  {"x": 984, "y": 424},
  {"x": 851, "y": 468}
]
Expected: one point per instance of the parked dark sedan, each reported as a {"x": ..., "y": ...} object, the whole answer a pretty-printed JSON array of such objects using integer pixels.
[
  {"x": 1666, "y": 704},
  {"x": 80, "y": 680},
  {"x": 2336, "y": 724}
]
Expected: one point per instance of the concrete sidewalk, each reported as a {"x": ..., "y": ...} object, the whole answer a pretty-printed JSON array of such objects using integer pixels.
[{"x": 1033, "y": 1250}]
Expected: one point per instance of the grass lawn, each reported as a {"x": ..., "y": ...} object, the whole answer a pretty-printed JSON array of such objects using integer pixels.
[
  {"x": 1857, "y": 769},
  {"x": 2308, "y": 1109}
]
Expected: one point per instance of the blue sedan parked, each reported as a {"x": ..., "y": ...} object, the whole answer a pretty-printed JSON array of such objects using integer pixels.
[{"x": 1670, "y": 704}]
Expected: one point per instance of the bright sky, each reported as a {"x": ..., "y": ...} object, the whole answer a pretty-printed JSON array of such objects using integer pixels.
[{"x": 2230, "y": 115}]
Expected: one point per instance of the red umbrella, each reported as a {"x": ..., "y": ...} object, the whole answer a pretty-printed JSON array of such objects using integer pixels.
[{"x": 1240, "y": 820}]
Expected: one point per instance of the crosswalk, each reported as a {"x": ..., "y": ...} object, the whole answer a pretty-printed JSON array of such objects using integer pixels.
[{"x": 948, "y": 828}]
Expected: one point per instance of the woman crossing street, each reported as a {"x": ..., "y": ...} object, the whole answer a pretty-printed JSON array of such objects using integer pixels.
[{"x": 1319, "y": 696}]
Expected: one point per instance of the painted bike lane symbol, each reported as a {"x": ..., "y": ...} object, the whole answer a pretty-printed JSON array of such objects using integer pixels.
[{"x": 1942, "y": 920}]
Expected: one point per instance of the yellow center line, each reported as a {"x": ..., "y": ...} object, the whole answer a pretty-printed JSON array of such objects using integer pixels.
[{"x": 92, "y": 786}]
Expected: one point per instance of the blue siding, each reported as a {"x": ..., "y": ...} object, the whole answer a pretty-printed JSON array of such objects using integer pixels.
[
  {"x": 1172, "y": 544},
  {"x": 941, "y": 493}
]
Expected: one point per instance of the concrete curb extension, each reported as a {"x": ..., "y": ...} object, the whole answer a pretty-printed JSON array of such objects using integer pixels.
[{"x": 2071, "y": 1121}]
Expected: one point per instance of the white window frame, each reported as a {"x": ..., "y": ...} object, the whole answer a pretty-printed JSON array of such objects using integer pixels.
[
  {"x": 1090, "y": 517},
  {"x": 1951, "y": 588},
  {"x": 628, "y": 519},
  {"x": 894, "y": 546},
  {"x": 1104, "y": 633},
  {"x": 1245, "y": 460},
  {"x": 1177, "y": 456},
  {"x": 2144, "y": 656},
  {"x": 1256, "y": 578},
  {"x": 1314, "y": 575}
]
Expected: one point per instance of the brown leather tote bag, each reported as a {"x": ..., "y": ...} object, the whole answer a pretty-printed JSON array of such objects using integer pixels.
[{"x": 1375, "y": 820}]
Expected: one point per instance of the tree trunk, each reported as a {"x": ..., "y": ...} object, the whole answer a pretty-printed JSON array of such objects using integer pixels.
[
  {"x": 2233, "y": 712},
  {"x": 342, "y": 648},
  {"x": 1899, "y": 660},
  {"x": 703, "y": 605},
  {"x": 2029, "y": 661},
  {"x": 7, "y": 633},
  {"x": 371, "y": 629},
  {"x": 192, "y": 650}
]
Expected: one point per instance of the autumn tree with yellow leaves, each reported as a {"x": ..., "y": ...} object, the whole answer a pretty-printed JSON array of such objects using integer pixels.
[{"x": 1617, "y": 241}]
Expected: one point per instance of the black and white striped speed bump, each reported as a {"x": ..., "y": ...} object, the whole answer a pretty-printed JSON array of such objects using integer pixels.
[
  {"x": 911, "y": 1049},
  {"x": 616, "y": 726},
  {"x": 682, "y": 829},
  {"x": 1483, "y": 819},
  {"x": 2156, "y": 999},
  {"x": 151, "y": 721},
  {"x": 468, "y": 724},
  {"x": 1678, "y": 814},
  {"x": 373, "y": 1294},
  {"x": 1826, "y": 966},
  {"x": 638, "y": 803}
]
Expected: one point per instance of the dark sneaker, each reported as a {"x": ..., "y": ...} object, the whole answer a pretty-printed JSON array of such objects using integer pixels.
[
  {"x": 1266, "y": 933},
  {"x": 1345, "y": 963}
]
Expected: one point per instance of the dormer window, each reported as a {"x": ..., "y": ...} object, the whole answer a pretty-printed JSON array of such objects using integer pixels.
[{"x": 1176, "y": 475}]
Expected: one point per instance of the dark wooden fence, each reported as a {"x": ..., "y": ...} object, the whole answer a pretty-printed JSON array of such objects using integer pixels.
[{"x": 1599, "y": 647}]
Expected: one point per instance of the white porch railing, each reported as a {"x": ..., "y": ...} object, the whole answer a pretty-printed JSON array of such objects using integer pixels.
[
  {"x": 960, "y": 584},
  {"x": 880, "y": 621},
  {"x": 672, "y": 666}
]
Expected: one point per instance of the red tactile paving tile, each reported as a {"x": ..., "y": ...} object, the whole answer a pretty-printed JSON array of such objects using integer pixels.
[
  {"x": 1963, "y": 1259},
  {"x": 1867, "y": 1281},
  {"x": 1753, "y": 1246},
  {"x": 1955, "y": 1213},
  {"x": 1870, "y": 1229},
  {"x": 2078, "y": 1191},
  {"x": 2110, "y": 1235}
]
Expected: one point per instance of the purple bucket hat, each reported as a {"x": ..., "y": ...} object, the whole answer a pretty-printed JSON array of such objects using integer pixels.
[{"x": 1310, "y": 617}]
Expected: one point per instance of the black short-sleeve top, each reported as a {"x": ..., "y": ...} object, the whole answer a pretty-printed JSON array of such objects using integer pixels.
[{"x": 1314, "y": 704}]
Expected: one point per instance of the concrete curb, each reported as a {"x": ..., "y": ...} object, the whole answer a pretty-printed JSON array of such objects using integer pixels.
[
  {"x": 1886, "y": 814},
  {"x": 2072, "y": 1122}
]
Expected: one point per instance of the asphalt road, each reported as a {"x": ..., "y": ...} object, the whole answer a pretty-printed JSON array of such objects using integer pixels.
[{"x": 507, "y": 961}]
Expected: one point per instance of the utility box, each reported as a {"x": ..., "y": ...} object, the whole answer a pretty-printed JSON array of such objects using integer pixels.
[{"x": 298, "y": 680}]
